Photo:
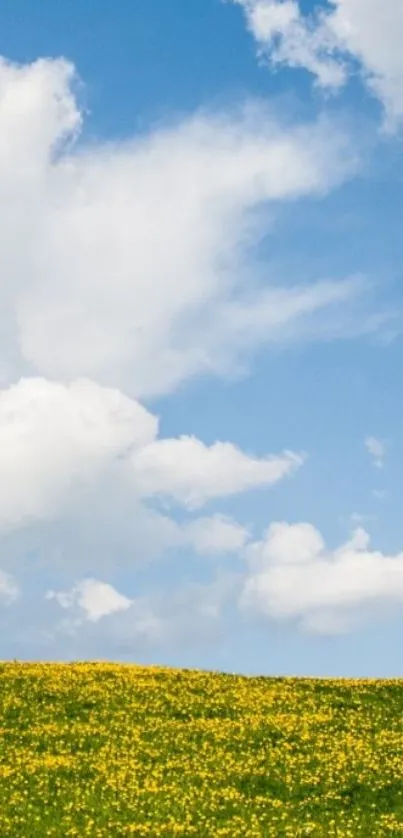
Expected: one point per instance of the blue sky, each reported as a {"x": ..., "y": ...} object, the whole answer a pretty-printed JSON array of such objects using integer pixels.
[{"x": 201, "y": 334}]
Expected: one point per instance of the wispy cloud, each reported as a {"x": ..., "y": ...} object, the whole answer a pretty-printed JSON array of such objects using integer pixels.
[
  {"x": 136, "y": 267},
  {"x": 377, "y": 449},
  {"x": 331, "y": 41}
]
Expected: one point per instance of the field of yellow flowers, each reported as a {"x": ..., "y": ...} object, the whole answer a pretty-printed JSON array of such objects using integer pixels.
[{"x": 109, "y": 750}]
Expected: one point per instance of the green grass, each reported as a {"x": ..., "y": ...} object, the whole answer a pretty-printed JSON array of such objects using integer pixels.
[{"x": 111, "y": 750}]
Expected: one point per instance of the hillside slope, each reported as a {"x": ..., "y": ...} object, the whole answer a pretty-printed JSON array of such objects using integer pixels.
[{"x": 100, "y": 749}]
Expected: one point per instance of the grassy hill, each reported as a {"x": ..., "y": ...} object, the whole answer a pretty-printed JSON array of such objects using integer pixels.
[{"x": 111, "y": 750}]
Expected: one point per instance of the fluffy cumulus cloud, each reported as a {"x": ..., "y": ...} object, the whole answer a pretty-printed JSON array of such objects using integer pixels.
[
  {"x": 125, "y": 269},
  {"x": 93, "y": 598},
  {"x": 56, "y": 438},
  {"x": 58, "y": 441},
  {"x": 193, "y": 473},
  {"x": 293, "y": 575},
  {"x": 290, "y": 576},
  {"x": 333, "y": 40},
  {"x": 134, "y": 270}
]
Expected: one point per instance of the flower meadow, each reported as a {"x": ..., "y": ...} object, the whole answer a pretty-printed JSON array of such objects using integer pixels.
[{"x": 99, "y": 749}]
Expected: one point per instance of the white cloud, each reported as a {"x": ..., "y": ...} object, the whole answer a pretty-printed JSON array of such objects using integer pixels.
[
  {"x": 377, "y": 449},
  {"x": 136, "y": 253},
  {"x": 285, "y": 36},
  {"x": 126, "y": 268},
  {"x": 193, "y": 473},
  {"x": 333, "y": 39},
  {"x": 215, "y": 535},
  {"x": 59, "y": 442},
  {"x": 292, "y": 575},
  {"x": 96, "y": 599},
  {"x": 56, "y": 437}
]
